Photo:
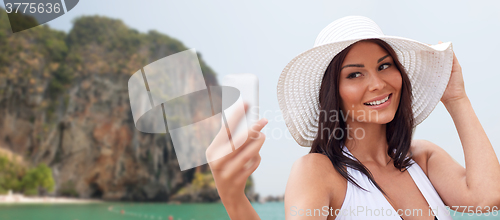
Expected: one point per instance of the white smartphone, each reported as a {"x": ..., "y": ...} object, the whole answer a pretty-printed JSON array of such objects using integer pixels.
[{"x": 248, "y": 86}]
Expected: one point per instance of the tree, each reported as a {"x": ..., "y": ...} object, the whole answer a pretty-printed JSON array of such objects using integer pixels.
[
  {"x": 39, "y": 178},
  {"x": 10, "y": 175}
]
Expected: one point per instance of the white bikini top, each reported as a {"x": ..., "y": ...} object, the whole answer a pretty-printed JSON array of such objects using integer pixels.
[{"x": 360, "y": 204}]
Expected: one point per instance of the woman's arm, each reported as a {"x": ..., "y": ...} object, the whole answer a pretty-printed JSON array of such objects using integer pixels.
[
  {"x": 231, "y": 168},
  {"x": 477, "y": 185},
  {"x": 239, "y": 208},
  {"x": 310, "y": 187},
  {"x": 482, "y": 173}
]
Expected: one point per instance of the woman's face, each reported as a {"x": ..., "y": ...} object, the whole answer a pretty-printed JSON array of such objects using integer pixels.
[{"x": 369, "y": 85}]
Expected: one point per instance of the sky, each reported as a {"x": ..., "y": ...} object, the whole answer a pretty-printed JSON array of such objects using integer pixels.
[{"x": 261, "y": 37}]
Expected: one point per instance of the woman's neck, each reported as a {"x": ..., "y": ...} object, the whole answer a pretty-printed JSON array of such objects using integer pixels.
[{"x": 367, "y": 142}]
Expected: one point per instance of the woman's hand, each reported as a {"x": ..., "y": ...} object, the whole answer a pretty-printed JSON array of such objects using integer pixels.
[
  {"x": 231, "y": 169},
  {"x": 455, "y": 89}
]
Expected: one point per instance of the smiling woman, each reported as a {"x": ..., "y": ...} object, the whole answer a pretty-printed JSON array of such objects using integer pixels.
[
  {"x": 356, "y": 71},
  {"x": 380, "y": 89}
]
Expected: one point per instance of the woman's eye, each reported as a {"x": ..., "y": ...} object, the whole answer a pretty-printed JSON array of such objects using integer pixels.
[
  {"x": 384, "y": 66},
  {"x": 353, "y": 75}
]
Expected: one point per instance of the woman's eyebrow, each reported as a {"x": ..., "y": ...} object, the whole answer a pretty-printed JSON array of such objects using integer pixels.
[
  {"x": 380, "y": 60},
  {"x": 352, "y": 65},
  {"x": 361, "y": 65}
]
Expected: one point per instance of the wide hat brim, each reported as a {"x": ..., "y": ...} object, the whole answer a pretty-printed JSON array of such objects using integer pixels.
[{"x": 428, "y": 68}]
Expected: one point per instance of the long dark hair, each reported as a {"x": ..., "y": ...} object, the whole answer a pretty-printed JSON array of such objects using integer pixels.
[{"x": 398, "y": 133}]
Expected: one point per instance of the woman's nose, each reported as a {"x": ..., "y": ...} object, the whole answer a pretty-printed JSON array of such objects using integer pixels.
[{"x": 376, "y": 82}]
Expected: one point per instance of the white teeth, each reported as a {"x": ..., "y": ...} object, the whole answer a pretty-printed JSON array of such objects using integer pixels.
[{"x": 378, "y": 102}]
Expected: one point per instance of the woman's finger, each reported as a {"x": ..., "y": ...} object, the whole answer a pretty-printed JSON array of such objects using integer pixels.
[
  {"x": 221, "y": 145},
  {"x": 237, "y": 163},
  {"x": 234, "y": 167},
  {"x": 244, "y": 172},
  {"x": 220, "y": 152},
  {"x": 248, "y": 152},
  {"x": 234, "y": 172},
  {"x": 251, "y": 165},
  {"x": 253, "y": 133}
]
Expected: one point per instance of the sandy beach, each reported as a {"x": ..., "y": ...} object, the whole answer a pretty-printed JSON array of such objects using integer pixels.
[{"x": 12, "y": 198}]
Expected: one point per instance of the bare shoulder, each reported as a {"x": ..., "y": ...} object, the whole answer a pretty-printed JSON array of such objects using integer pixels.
[
  {"x": 313, "y": 163},
  {"x": 422, "y": 150},
  {"x": 317, "y": 167},
  {"x": 312, "y": 183}
]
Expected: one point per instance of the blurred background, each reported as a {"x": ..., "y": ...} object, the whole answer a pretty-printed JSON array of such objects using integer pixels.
[{"x": 66, "y": 128}]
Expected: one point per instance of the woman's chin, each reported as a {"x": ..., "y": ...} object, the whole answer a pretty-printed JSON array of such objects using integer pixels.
[{"x": 380, "y": 119}]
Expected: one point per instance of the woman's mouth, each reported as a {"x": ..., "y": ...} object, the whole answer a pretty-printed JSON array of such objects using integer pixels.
[{"x": 379, "y": 102}]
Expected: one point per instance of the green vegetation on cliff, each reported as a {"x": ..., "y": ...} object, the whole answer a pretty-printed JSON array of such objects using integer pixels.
[
  {"x": 38, "y": 179},
  {"x": 10, "y": 175},
  {"x": 202, "y": 188},
  {"x": 19, "y": 178}
]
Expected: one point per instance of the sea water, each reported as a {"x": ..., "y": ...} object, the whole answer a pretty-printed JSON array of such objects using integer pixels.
[{"x": 153, "y": 211}]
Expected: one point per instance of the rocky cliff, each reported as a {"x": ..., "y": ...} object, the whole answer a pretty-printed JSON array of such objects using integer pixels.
[{"x": 64, "y": 102}]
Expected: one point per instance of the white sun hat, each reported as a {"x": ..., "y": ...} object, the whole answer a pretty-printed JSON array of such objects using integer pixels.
[{"x": 428, "y": 68}]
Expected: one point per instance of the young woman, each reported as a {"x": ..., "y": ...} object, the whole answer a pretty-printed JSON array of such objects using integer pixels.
[{"x": 354, "y": 99}]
